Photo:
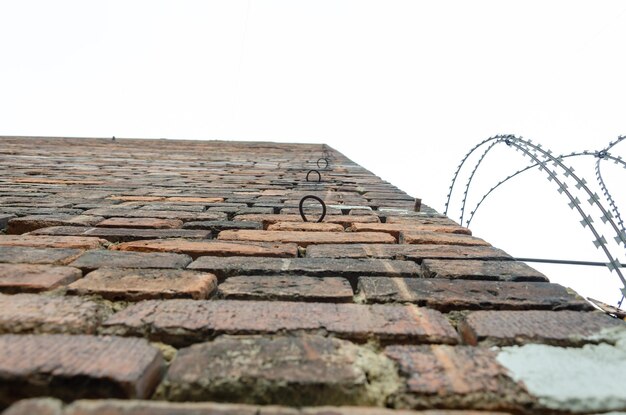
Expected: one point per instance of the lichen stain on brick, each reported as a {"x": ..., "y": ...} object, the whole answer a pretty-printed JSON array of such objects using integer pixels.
[{"x": 285, "y": 370}]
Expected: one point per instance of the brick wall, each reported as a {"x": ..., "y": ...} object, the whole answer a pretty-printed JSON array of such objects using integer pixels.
[{"x": 155, "y": 276}]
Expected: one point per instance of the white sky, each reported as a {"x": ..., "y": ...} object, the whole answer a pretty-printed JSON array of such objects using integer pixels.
[{"x": 404, "y": 88}]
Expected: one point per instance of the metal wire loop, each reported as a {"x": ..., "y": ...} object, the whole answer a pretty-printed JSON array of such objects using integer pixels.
[
  {"x": 301, "y": 207},
  {"x": 319, "y": 176},
  {"x": 325, "y": 161}
]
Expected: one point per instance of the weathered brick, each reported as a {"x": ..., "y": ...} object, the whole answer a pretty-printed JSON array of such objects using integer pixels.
[
  {"x": 142, "y": 223},
  {"x": 141, "y": 284},
  {"x": 123, "y": 234},
  {"x": 411, "y": 252},
  {"x": 38, "y": 406},
  {"x": 343, "y": 220},
  {"x": 561, "y": 328},
  {"x": 25, "y": 224},
  {"x": 484, "y": 270},
  {"x": 305, "y": 227},
  {"x": 26, "y": 255},
  {"x": 420, "y": 220},
  {"x": 185, "y": 216},
  {"x": 395, "y": 229},
  {"x": 35, "y": 278},
  {"x": 31, "y": 313},
  {"x": 196, "y": 249},
  {"x": 286, "y": 288},
  {"x": 446, "y": 295},
  {"x": 186, "y": 199},
  {"x": 181, "y": 322},
  {"x": 49, "y": 406},
  {"x": 72, "y": 367},
  {"x": 43, "y": 241},
  {"x": 458, "y": 377},
  {"x": 95, "y": 259},
  {"x": 4, "y": 220},
  {"x": 439, "y": 238},
  {"x": 317, "y": 267},
  {"x": 216, "y": 226},
  {"x": 131, "y": 198},
  {"x": 306, "y": 238},
  {"x": 305, "y": 370}
]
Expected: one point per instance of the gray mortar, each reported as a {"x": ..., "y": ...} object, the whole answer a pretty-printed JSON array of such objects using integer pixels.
[{"x": 578, "y": 380}]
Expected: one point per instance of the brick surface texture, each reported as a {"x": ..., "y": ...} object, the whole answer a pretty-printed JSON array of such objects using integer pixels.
[{"x": 178, "y": 277}]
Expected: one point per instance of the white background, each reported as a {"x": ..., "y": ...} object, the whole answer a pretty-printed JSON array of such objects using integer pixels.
[{"x": 404, "y": 88}]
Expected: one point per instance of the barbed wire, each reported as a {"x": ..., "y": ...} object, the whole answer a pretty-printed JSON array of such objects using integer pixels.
[{"x": 541, "y": 159}]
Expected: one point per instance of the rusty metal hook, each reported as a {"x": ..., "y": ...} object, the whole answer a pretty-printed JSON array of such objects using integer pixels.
[
  {"x": 325, "y": 161},
  {"x": 319, "y": 176},
  {"x": 301, "y": 207}
]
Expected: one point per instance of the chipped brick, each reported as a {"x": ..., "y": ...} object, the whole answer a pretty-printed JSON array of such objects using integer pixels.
[
  {"x": 196, "y": 249},
  {"x": 286, "y": 288},
  {"x": 32, "y": 313},
  {"x": 25, "y": 224},
  {"x": 36, "y": 241},
  {"x": 123, "y": 234},
  {"x": 317, "y": 267},
  {"x": 141, "y": 223},
  {"x": 411, "y": 252},
  {"x": 306, "y": 370},
  {"x": 395, "y": 229},
  {"x": 560, "y": 328},
  {"x": 485, "y": 270},
  {"x": 306, "y": 238},
  {"x": 26, "y": 255},
  {"x": 446, "y": 295},
  {"x": 95, "y": 259},
  {"x": 459, "y": 377},
  {"x": 184, "y": 216},
  {"x": 216, "y": 226},
  {"x": 141, "y": 284},
  {"x": 73, "y": 367},
  {"x": 35, "y": 278},
  {"x": 181, "y": 322},
  {"x": 439, "y": 238}
]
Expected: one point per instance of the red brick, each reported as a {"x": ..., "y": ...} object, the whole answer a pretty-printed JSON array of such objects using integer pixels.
[
  {"x": 484, "y": 270},
  {"x": 343, "y": 220},
  {"x": 305, "y": 370},
  {"x": 286, "y": 288},
  {"x": 142, "y": 223},
  {"x": 316, "y": 267},
  {"x": 77, "y": 242},
  {"x": 439, "y": 238},
  {"x": 421, "y": 220},
  {"x": 123, "y": 234},
  {"x": 402, "y": 251},
  {"x": 187, "y": 321},
  {"x": 26, "y": 255},
  {"x": 561, "y": 328},
  {"x": 25, "y": 224},
  {"x": 205, "y": 200},
  {"x": 35, "y": 278},
  {"x": 216, "y": 226},
  {"x": 141, "y": 284},
  {"x": 305, "y": 227},
  {"x": 446, "y": 295},
  {"x": 458, "y": 377},
  {"x": 109, "y": 212},
  {"x": 49, "y": 406},
  {"x": 39, "y": 406},
  {"x": 100, "y": 258},
  {"x": 73, "y": 367},
  {"x": 306, "y": 238},
  {"x": 395, "y": 229},
  {"x": 196, "y": 249},
  {"x": 31, "y": 313}
]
